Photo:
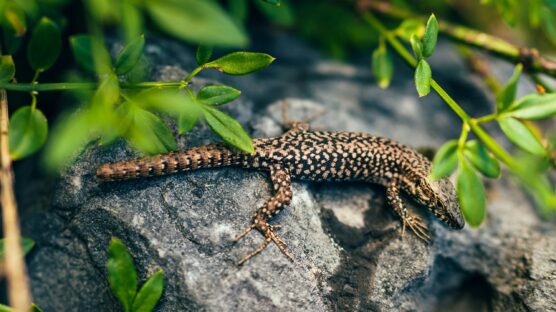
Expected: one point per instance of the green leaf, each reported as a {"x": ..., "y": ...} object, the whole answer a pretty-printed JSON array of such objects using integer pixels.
[
  {"x": 217, "y": 95},
  {"x": 44, "y": 46},
  {"x": 13, "y": 27},
  {"x": 534, "y": 107},
  {"x": 130, "y": 55},
  {"x": 203, "y": 54},
  {"x": 481, "y": 159},
  {"x": 471, "y": 193},
  {"x": 202, "y": 22},
  {"x": 238, "y": 10},
  {"x": 5, "y": 308},
  {"x": 416, "y": 46},
  {"x": 241, "y": 63},
  {"x": 423, "y": 77},
  {"x": 171, "y": 101},
  {"x": 90, "y": 54},
  {"x": 228, "y": 129},
  {"x": 26, "y": 244},
  {"x": 108, "y": 93},
  {"x": 273, "y": 2},
  {"x": 521, "y": 136},
  {"x": 445, "y": 160},
  {"x": 188, "y": 118},
  {"x": 281, "y": 14},
  {"x": 121, "y": 273},
  {"x": 35, "y": 308},
  {"x": 382, "y": 66},
  {"x": 148, "y": 133},
  {"x": 430, "y": 37},
  {"x": 132, "y": 20},
  {"x": 28, "y": 130},
  {"x": 150, "y": 293},
  {"x": 505, "y": 98},
  {"x": 69, "y": 136},
  {"x": 409, "y": 27},
  {"x": 7, "y": 68}
]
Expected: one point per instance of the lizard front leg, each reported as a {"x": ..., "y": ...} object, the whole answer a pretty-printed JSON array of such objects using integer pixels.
[
  {"x": 281, "y": 182},
  {"x": 414, "y": 222}
]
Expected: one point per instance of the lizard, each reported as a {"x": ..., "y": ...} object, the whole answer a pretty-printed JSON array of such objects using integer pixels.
[{"x": 304, "y": 154}]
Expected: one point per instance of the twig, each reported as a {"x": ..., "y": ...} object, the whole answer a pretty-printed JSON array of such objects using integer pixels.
[
  {"x": 18, "y": 288},
  {"x": 532, "y": 60}
]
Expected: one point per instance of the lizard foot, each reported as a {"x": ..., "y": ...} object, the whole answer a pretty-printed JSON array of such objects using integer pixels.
[
  {"x": 417, "y": 226},
  {"x": 268, "y": 231}
]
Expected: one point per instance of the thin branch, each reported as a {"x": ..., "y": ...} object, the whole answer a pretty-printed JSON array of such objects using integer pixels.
[
  {"x": 18, "y": 286},
  {"x": 531, "y": 58}
]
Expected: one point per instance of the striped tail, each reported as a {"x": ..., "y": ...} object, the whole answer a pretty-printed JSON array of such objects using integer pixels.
[{"x": 206, "y": 156}]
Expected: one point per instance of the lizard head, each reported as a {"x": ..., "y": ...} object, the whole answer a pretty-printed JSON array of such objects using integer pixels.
[{"x": 442, "y": 200}]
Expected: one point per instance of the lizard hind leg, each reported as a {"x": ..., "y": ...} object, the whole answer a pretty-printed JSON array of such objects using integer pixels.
[
  {"x": 415, "y": 223},
  {"x": 283, "y": 193}
]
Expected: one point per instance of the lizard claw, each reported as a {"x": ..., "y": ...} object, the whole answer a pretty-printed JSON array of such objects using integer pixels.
[
  {"x": 418, "y": 227},
  {"x": 269, "y": 237}
]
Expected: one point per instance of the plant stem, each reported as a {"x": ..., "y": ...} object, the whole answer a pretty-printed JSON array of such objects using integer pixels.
[
  {"x": 18, "y": 288},
  {"x": 532, "y": 60},
  {"x": 487, "y": 140},
  {"x": 64, "y": 86}
]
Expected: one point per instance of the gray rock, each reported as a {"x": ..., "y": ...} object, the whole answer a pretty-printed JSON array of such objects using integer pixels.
[{"x": 346, "y": 242}]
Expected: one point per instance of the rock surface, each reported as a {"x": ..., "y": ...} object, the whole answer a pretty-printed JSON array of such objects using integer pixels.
[{"x": 348, "y": 251}]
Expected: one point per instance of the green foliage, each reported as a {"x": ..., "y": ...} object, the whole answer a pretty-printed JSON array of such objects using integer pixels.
[
  {"x": 481, "y": 159},
  {"x": 382, "y": 66},
  {"x": 27, "y": 131},
  {"x": 423, "y": 76},
  {"x": 5, "y": 308},
  {"x": 203, "y": 54},
  {"x": 507, "y": 95},
  {"x": 130, "y": 55},
  {"x": 228, "y": 128},
  {"x": 202, "y": 22},
  {"x": 241, "y": 63},
  {"x": 7, "y": 68},
  {"x": 429, "y": 38},
  {"x": 26, "y": 244},
  {"x": 534, "y": 107},
  {"x": 217, "y": 95},
  {"x": 123, "y": 281},
  {"x": 416, "y": 46},
  {"x": 44, "y": 46},
  {"x": 279, "y": 12},
  {"x": 521, "y": 136},
  {"x": 471, "y": 193},
  {"x": 445, "y": 160}
]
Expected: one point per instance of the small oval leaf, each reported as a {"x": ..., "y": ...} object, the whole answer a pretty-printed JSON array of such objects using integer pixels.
[
  {"x": 481, "y": 159},
  {"x": 44, "y": 46},
  {"x": 521, "y": 136},
  {"x": 430, "y": 36},
  {"x": 382, "y": 66},
  {"x": 203, "y": 54},
  {"x": 121, "y": 273},
  {"x": 91, "y": 55},
  {"x": 507, "y": 95},
  {"x": 471, "y": 193},
  {"x": 130, "y": 55},
  {"x": 445, "y": 160},
  {"x": 149, "y": 134},
  {"x": 28, "y": 130},
  {"x": 228, "y": 129},
  {"x": 241, "y": 63},
  {"x": 534, "y": 107},
  {"x": 7, "y": 68},
  {"x": 217, "y": 95},
  {"x": 416, "y": 46},
  {"x": 150, "y": 293},
  {"x": 423, "y": 76},
  {"x": 189, "y": 117},
  {"x": 409, "y": 27}
]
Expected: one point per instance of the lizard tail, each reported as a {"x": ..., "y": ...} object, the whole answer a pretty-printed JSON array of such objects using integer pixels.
[{"x": 206, "y": 156}]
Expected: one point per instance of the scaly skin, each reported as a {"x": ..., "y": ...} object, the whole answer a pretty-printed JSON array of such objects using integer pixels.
[{"x": 315, "y": 156}]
